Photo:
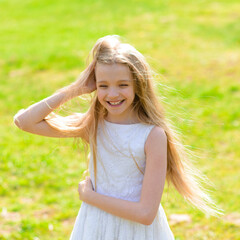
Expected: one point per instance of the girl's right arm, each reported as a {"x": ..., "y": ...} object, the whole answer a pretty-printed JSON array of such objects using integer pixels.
[{"x": 32, "y": 119}]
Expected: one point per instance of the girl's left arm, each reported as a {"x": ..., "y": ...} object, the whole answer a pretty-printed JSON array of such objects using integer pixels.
[
  {"x": 122, "y": 208},
  {"x": 145, "y": 210}
]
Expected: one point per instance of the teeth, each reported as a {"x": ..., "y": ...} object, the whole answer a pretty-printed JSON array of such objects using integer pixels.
[{"x": 115, "y": 103}]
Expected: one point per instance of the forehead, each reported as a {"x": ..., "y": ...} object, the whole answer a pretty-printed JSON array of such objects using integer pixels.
[{"x": 115, "y": 71}]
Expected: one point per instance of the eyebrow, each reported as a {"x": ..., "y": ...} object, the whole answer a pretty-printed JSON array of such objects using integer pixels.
[{"x": 117, "y": 81}]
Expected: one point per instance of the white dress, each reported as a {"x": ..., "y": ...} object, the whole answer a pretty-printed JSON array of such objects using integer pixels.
[{"x": 119, "y": 176}]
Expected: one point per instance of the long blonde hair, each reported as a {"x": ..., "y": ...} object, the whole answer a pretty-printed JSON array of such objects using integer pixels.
[{"x": 180, "y": 172}]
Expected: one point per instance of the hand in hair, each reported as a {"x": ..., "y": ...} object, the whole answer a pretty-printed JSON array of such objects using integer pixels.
[{"x": 86, "y": 83}]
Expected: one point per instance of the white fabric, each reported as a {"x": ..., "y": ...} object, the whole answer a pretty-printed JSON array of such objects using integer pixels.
[{"x": 118, "y": 176}]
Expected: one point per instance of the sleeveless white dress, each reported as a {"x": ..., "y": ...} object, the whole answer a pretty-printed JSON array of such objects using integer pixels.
[{"x": 120, "y": 168}]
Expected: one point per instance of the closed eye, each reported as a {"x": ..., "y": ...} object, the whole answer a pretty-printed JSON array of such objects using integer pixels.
[
  {"x": 123, "y": 85},
  {"x": 102, "y": 86}
]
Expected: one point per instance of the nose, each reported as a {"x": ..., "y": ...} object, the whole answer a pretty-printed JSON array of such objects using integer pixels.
[{"x": 113, "y": 92}]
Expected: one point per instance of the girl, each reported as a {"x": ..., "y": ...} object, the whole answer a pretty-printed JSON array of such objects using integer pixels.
[{"x": 132, "y": 147}]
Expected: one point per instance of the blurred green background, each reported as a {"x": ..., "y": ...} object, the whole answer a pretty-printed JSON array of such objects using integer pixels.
[{"x": 192, "y": 45}]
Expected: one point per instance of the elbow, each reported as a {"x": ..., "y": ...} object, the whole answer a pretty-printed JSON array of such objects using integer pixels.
[
  {"x": 148, "y": 218},
  {"x": 17, "y": 121},
  {"x": 22, "y": 126}
]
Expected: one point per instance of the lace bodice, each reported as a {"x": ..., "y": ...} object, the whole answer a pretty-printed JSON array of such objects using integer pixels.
[{"x": 121, "y": 159}]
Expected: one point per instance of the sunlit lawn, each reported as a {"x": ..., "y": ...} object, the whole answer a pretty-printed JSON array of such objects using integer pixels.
[{"x": 192, "y": 45}]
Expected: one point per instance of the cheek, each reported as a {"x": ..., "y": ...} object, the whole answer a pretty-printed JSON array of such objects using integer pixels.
[
  {"x": 130, "y": 93},
  {"x": 100, "y": 95}
]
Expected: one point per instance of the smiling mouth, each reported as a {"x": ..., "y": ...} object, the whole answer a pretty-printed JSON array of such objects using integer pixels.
[{"x": 115, "y": 103}]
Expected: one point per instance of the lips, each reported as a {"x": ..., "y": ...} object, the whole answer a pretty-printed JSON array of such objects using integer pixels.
[{"x": 115, "y": 103}]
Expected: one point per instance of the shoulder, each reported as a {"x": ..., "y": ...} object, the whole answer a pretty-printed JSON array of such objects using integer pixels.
[
  {"x": 157, "y": 137},
  {"x": 156, "y": 133}
]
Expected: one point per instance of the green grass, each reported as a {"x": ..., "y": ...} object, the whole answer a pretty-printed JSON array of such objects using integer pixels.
[{"x": 193, "y": 45}]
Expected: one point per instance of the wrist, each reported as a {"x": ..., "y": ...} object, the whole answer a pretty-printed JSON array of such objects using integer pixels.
[
  {"x": 82, "y": 91},
  {"x": 88, "y": 195}
]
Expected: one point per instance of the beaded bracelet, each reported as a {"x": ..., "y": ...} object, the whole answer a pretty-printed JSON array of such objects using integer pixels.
[{"x": 48, "y": 105}]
